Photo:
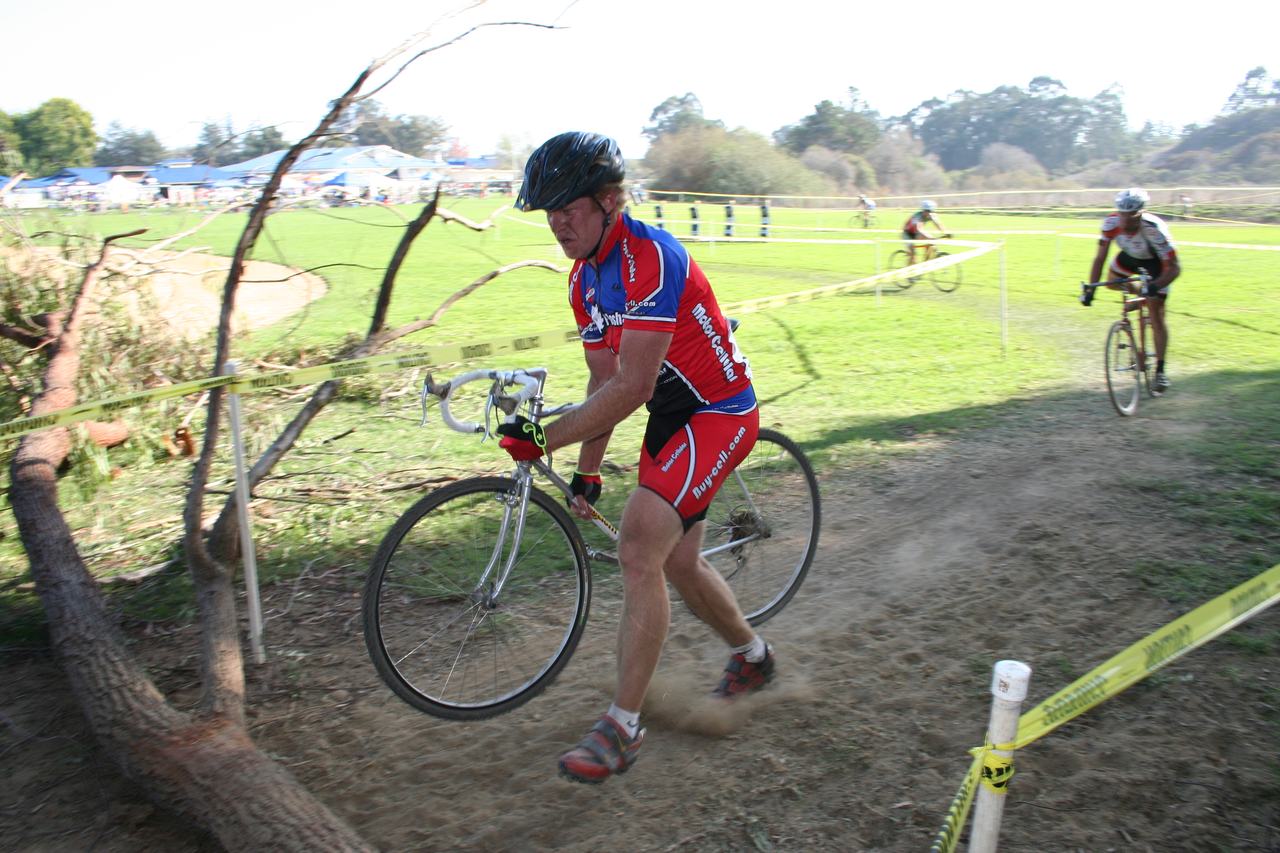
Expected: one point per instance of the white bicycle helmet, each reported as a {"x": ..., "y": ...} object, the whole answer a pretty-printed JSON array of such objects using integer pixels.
[
  {"x": 927, "y": 205},
  {"x": 1132, "y": 200}
]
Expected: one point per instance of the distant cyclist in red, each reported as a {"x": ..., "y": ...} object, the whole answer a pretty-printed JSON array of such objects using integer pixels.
[
  {"x": 652, "y": 334},
  {"x": 1145, "y": 245},
  {"x": 913, "y": 228}
]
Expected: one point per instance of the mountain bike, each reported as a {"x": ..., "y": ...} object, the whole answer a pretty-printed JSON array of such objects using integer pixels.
[
  {"x": 1128, "y": 360},
  {"x": 946, "y": 279},
  {"x": 478, "y": 594}
]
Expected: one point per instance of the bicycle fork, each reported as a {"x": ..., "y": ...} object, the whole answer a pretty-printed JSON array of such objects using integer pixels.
[{"x": 488, "y": 590}]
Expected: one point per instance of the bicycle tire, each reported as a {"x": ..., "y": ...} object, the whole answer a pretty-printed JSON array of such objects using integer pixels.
[
  {"x": 1123, "y": 376},
  {"x": 898, "y": 260},
  {"x": 770, "y": 506},
  {"x": 432, "y": 636},
  {"x": 946, "y": 279}
]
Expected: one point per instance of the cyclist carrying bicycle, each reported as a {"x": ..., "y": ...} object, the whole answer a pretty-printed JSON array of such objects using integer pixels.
[
  {"x": 1145, "y": 245},
  {"x": 652, "y": 334},
  {"x": 913, "y": 229}
]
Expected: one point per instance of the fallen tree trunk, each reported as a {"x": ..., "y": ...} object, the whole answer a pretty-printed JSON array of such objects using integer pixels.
[{"x": 205, "y": 768}]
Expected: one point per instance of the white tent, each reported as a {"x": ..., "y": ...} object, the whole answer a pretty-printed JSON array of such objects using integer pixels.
[{"x": 119, "y": 190}]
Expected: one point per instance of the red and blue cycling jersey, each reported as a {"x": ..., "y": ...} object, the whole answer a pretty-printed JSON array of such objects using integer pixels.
[
  {"x": 912, "y": 226},
  {"x": 646, "y": 280}
]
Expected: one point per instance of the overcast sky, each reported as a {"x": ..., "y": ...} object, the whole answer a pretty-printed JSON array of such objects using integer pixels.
[{"x": 758, "y": 64}]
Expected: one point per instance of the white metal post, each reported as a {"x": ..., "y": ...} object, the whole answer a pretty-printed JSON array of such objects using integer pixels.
[
  {"x": 878, "y": 271},
  {"x": 1008, "y": 689},
  {"x": 1004, "y": 305},
  {"x": 246, "y": 533}
]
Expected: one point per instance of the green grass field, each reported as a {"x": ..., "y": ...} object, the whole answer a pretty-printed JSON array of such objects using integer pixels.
[{"x": 851, "y": 377}]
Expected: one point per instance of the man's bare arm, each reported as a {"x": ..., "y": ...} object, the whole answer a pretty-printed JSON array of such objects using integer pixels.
[
  {"x": 639, "y": 360},
  {"x": 602, "y": 364}
]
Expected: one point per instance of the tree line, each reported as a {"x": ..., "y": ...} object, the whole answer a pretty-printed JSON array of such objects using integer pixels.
[
  {"x": 1035, "y": 137},
  {"x": 59, "y": 134}
]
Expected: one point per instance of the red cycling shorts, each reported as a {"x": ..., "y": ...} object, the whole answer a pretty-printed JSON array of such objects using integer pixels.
[{"x": 685, "y": 460}]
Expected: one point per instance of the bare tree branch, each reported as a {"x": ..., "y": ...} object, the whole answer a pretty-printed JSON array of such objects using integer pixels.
[
  {"x": 12, "y": 182},
  {"x": 451, "y": 41},
  {"x": 419, "y": 325},
  {"x": 22, "y": 337}
]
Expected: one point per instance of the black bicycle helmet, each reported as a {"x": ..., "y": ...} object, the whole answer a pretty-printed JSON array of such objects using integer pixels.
[{"x": 567, "y": 167}]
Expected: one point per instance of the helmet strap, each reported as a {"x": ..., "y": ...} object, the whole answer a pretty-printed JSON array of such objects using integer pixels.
[{"x": 604, "y": 229}]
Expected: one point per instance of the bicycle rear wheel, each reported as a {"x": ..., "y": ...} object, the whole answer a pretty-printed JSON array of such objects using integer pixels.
[
  {"x": 946, "y": 279},
  {"x": 762, "y": 526},
  {"x": 434, "y": 629},
  {"x": 1123, "y": 376},
  {"x": 898, "y": 260}
]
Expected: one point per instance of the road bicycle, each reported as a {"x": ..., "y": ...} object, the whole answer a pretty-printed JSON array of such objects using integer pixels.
[
  {"x": 863, "y": 218},
  {"x": 1128, "y": 360},
  {"x": 946, "y": 279},
  {"x": 478, "y": 594}
]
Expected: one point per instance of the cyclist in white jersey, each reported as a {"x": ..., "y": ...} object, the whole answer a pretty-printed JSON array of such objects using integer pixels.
[{"x": 1145, "y": 245}]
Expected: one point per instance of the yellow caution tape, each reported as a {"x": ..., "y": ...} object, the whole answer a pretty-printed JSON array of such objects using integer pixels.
[
  {"x": 445, "y": 353},
  {"x": 949, "y": 836},
  {"x": 1150, "y": 654},
  {"x": 751, "y": 306},
  {"x": 85, "y": 411},
  {"x": 386, "y": 363},
  {"x": 997, "y": 770},
  {"x": 1120, "y": 672}
]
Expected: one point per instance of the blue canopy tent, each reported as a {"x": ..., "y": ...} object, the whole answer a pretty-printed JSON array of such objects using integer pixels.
[{"x": 357, "y": 179}]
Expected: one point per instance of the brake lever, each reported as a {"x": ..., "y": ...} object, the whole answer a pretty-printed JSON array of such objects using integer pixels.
[
  {"x": 489, "y": 403},
  {"x": 424, "y": 399}
]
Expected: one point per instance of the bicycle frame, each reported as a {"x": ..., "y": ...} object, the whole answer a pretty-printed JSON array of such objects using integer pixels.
[
  {"x": 478, "y": 594},
  {"x": 929, "y": 246},
  {"x": 1127, "y": 353},
  {"x": 532, "y": 399},
  {"x": 1139, "y": 304},
  {"x": 613, "y": 533},
  {"x": 1131, "y": 299}
]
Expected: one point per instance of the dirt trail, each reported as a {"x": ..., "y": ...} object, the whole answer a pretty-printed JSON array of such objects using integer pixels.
[
  {"x": 1010, "y": 541},
  {"x": 187, "y": 289}
]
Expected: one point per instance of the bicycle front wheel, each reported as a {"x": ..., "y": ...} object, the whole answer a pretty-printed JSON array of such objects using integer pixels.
[
  {"x": 1123, "y": 376},
  {"x": 946, "y": 279},
  {"x": 762, "y": 526},
  {"x": 441, "y": 634},
  {"x": 898, "y": 260}
]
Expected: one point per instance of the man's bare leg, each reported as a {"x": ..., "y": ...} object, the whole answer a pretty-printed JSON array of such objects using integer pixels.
[
  {"x": 705, "y": 591},
  {"x": 651, "y": 529},
  {"x": 1160, "y": 332}
]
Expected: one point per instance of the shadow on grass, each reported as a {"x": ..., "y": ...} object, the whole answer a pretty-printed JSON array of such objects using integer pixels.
[{"x": 1242, "y": 406}]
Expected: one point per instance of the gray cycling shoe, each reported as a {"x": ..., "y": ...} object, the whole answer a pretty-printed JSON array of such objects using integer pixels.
[{"x": 1161, "y": 384}]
